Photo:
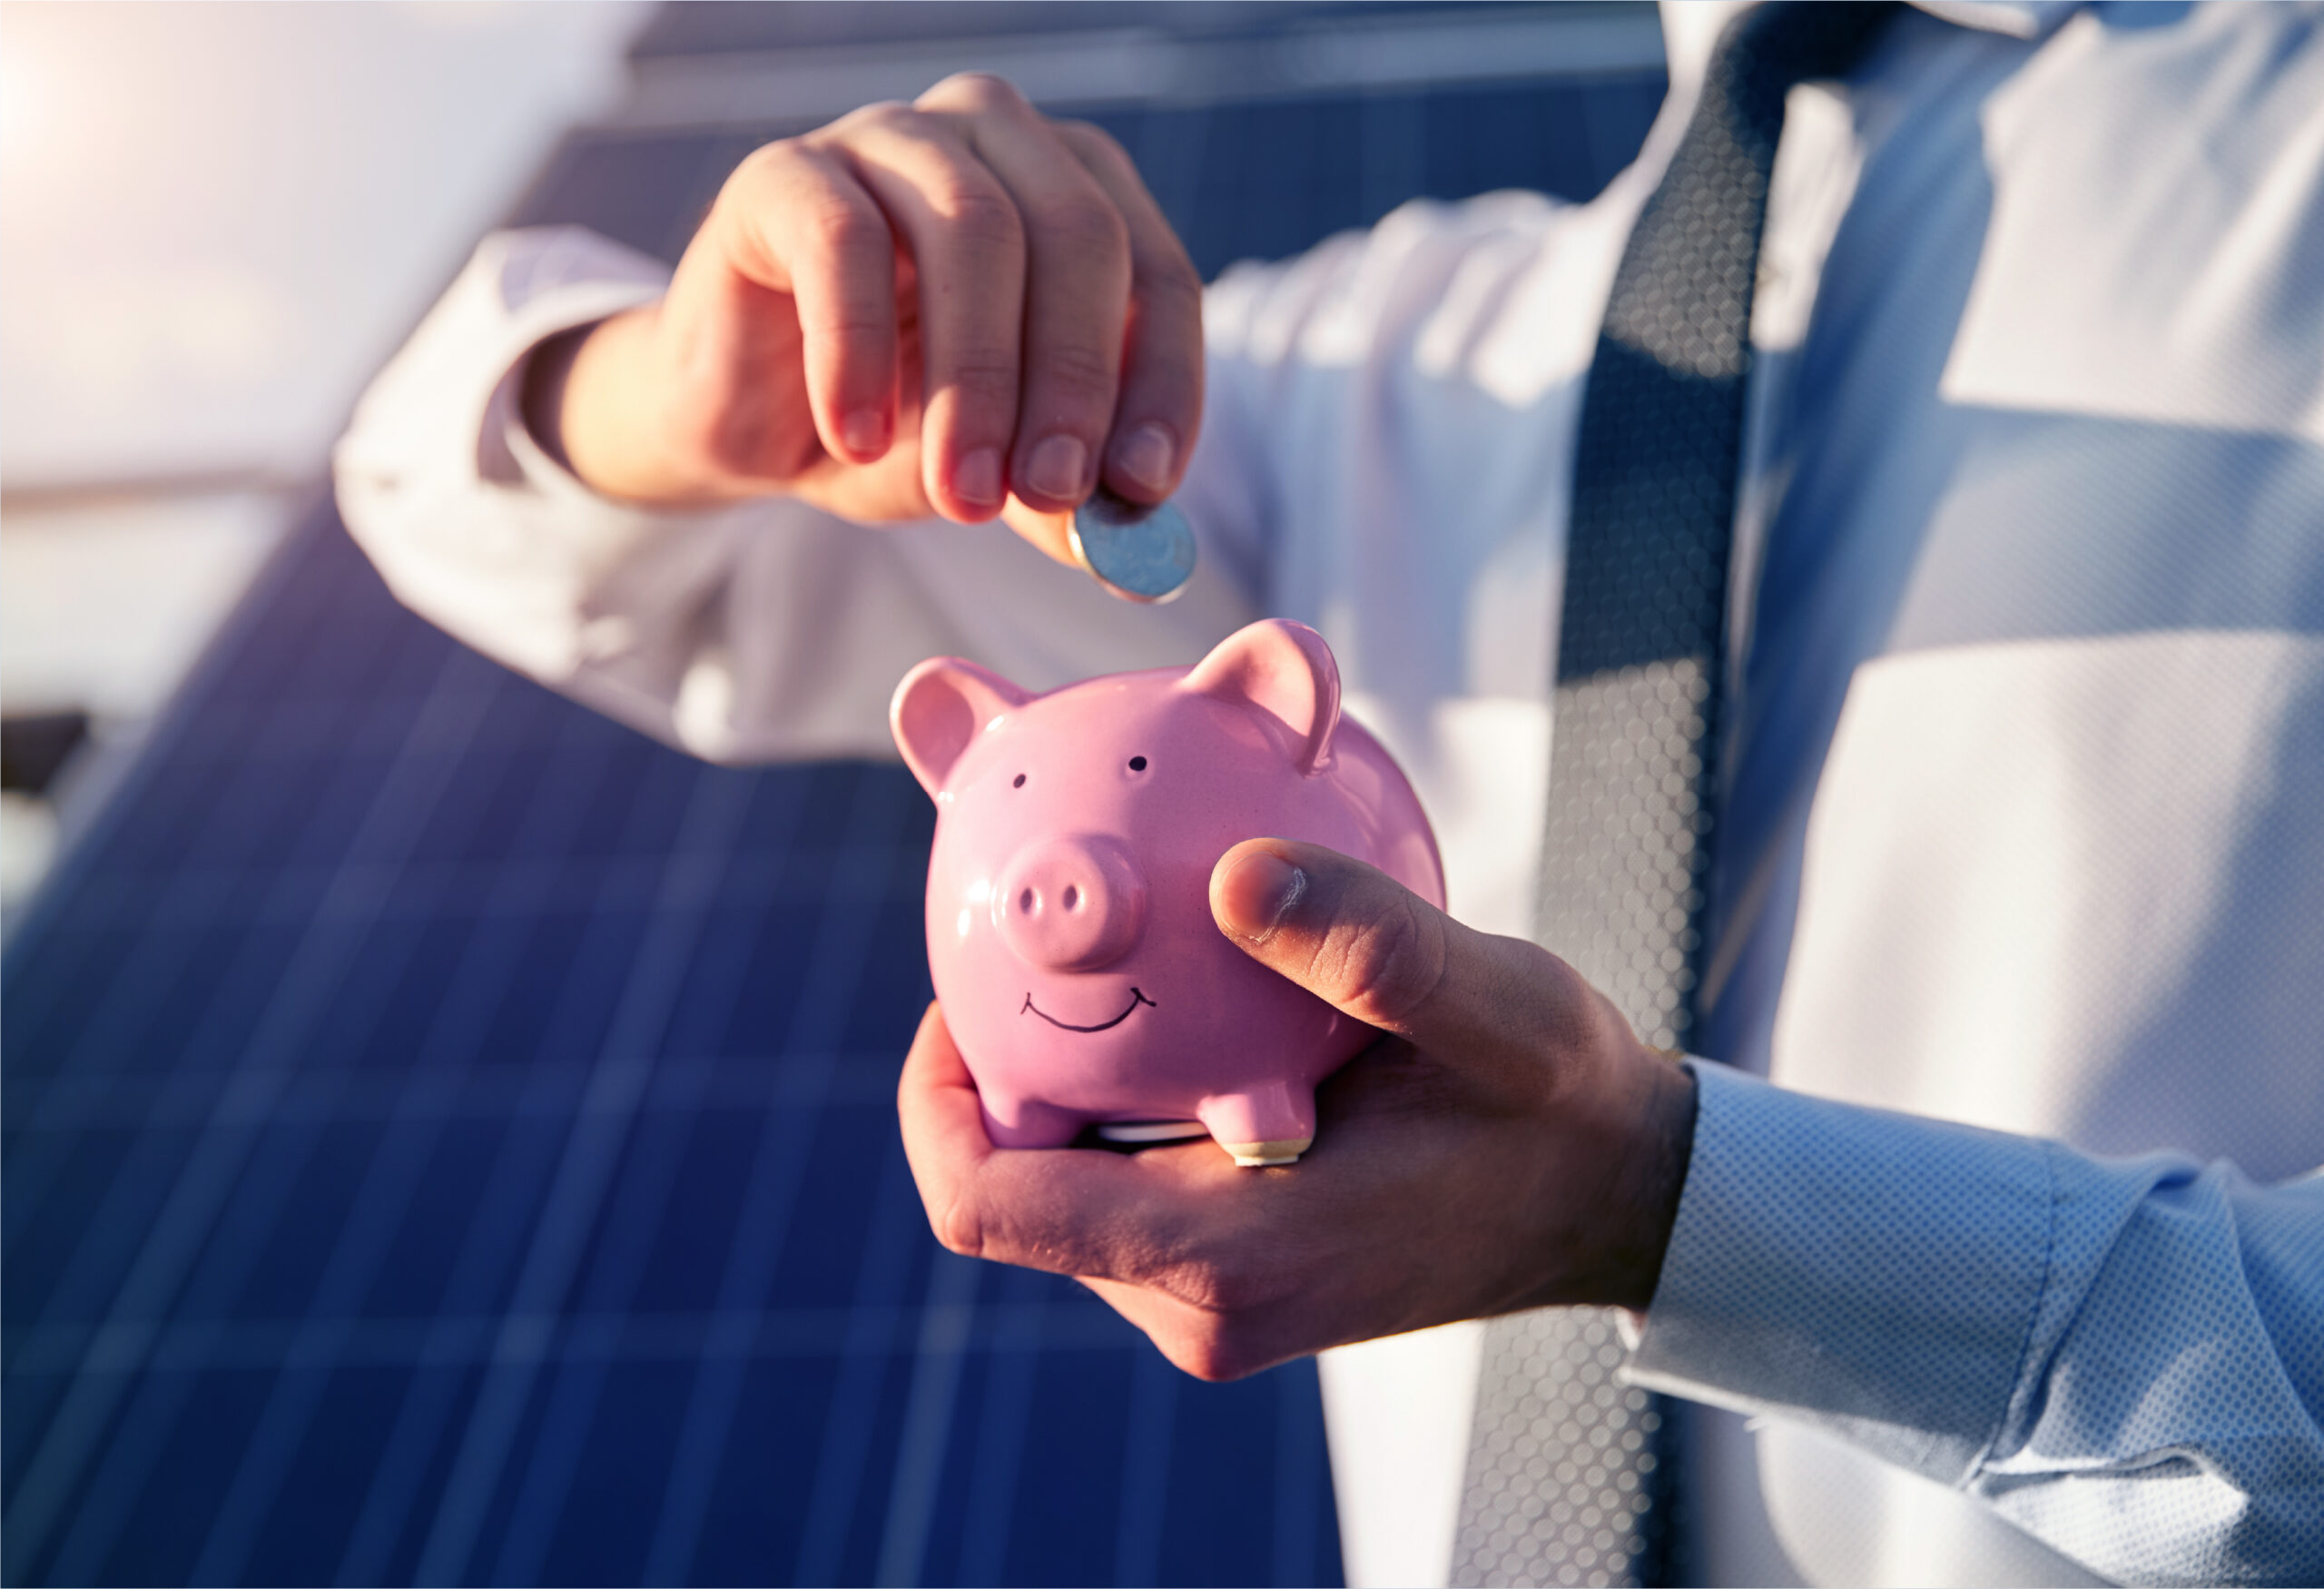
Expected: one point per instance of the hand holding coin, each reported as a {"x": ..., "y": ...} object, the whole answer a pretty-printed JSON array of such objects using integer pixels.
[{"x": 958, "y": 307}]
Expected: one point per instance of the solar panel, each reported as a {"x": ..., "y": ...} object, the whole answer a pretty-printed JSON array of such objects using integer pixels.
[{"x": 448, "y": 1137}]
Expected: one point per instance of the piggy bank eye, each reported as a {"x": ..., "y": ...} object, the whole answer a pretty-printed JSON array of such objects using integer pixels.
[
  {"x": 1138, "y": 764},
  {"x": 1018, "y": 781}
]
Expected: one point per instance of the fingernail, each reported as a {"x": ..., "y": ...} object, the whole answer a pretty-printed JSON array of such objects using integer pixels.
[
  {"x": 1145, "y": 455},
  {"x": 1057, "y": 465},
  {"x": 977, "y": 479},
  {"x": 1259, "y": 892},
  {"x": 864, "y": 432}
]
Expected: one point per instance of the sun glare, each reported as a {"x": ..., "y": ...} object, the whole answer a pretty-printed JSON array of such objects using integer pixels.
[{"x": 18, "y": 105}]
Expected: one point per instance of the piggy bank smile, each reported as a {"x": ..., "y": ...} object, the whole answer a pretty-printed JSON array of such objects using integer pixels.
[
  {"x": 1069, "y": 932},
  {"x": 1136, "y": 999}
]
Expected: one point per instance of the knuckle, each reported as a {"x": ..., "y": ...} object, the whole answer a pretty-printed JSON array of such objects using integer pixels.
[
  {"x": 1215, "y": 1351},
  {"x": 1091, "y": 142},
  {"x": 985, "y": 378},
  {"x": 1074, "y": 373},
  {"x": 1204, "y": 1357},
  {"x": 837, "y": 227},
  {"x": 886, "y": 114},
  {"x": 1220, "y": 1289},
  {"x": 1169, "y": 279},
  {"x": 1082, "y": 227},
  {"x": 768, "y": 168},
  {"x": 957, "y": 1229},
  {"x": 980, "y": 216},
  {"x": 977, "y": 91},
  {"x": 1386, "y": 967}
]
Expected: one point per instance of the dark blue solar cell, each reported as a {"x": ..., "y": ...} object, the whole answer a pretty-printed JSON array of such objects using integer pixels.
[{"x": 320, "y": 1486}]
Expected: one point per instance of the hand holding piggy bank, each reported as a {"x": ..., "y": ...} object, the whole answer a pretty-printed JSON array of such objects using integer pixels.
[{"x": 1069, "y": 930}]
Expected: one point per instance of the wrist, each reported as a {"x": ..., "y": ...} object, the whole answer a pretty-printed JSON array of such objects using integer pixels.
[
  {"x": 1650, "y": 1179},
  {"x": 585, "y": 398},
  {"x": 548, "y": 372}
]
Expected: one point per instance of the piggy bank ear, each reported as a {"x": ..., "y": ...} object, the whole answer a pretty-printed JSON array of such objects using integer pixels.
[
  {"x": 940, "y": 707},
  {"x": 1285, "y": 670}
]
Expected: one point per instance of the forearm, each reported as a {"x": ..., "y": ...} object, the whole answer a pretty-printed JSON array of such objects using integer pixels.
[
  {"x": 586, "y": 402},
  {"x": 2121, "y": 1356}
]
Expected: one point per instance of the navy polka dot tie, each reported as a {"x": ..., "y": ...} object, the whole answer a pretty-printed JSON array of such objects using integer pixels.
[{"x": 1569, "y": 1471}]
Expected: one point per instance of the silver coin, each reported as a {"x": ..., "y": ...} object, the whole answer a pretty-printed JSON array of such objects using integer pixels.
[{"x": 1138, "y": 553}]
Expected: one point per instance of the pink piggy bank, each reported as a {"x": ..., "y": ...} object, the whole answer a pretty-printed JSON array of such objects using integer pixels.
[{"x": 1069, "y": 930}]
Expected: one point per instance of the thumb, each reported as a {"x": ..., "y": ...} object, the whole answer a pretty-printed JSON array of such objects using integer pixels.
[
  {"x": 1365, "y": 943},
  {"x": 1347, "y": 932}
]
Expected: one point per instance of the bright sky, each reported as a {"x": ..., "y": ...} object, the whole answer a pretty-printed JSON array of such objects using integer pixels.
[{"x": 216, "y": 219}]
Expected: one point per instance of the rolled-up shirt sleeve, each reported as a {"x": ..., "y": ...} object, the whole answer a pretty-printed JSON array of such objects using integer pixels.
[
  {"x": 2125, "y": 1357},
  {"x": 764, "y": 631}
]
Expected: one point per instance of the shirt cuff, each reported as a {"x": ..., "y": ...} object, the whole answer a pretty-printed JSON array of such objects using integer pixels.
[{"x": 1877, "y": 1274}]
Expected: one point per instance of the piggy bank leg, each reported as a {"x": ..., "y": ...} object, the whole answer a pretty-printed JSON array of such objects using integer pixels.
[
  {"x": 1272, "y": 1123},
  {"x": 1020, "y": 1122}
]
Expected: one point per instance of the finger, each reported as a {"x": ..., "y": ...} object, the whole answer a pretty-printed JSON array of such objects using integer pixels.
[
  {"x": 943, "y": 1127},
  {"x": 1159, "y": 409},
  {"x": 1064, "y": 1210},
  {"x": 1047, "y": 531},
  {"x": 1362, "y": 942},
  {"x": 967, "y": 250},
  {"x": 798, "y": 221},
  {"x": 1077, "y": 297}
]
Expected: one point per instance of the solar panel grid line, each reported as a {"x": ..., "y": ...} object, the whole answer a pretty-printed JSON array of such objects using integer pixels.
[
  {"x": 203, "y": 1183},
  {"x": 241, "y": 798},
  {"x": 577, "y": 1198},
  {"x": 157, "y": 962},
  {"x": 210, "y": 1346},
  {"x": 1021, "y": 1333},
  {"x": 245, "y": 1232},
  {"x": 615, "y": 1274},
  {"x": 420, "y": 890},
  {"x": 1146, "y": 1471},
  {"x": 573, "y": 1025},
  {"x": 485, "y": 1251},
  {"x": 441, "y": 1380},
  {"x": 1300, "y": 1466},
  {"x": 771, "y": 1193},
  {"x": 898, "y": 1241},
  {"x": 945, "y": 1324},
  {"x": 171, "y": 732},
  {"x": 449, "y": 1046},
  {"x": 866, "y": 1366},
  {"x": 72, "y": 1107}
]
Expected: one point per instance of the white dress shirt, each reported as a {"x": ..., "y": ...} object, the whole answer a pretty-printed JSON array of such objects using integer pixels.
[{"x": 2024, "y": 817}]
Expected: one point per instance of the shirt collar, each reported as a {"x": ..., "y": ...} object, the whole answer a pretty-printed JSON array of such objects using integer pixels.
[
  {"x": 1691, "y": 28},
  {"x": 2020, "y": 19}
]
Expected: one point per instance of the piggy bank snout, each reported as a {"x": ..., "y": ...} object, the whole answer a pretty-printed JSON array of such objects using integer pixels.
[{"x": 1075, "y": 902}]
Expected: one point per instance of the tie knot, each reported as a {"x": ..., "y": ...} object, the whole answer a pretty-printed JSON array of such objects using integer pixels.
[{"x": 1682, "y": 297}]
